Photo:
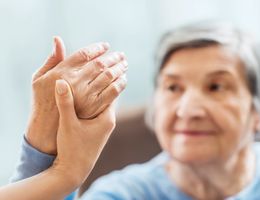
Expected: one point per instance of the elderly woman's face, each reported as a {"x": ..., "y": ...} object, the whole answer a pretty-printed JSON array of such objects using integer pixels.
[{"x": 203, "y": 108}]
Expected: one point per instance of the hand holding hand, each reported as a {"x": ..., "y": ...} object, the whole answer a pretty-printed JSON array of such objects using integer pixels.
[
  {"x": 79, "y": 141},
  {"x": 95, "y": 78}
]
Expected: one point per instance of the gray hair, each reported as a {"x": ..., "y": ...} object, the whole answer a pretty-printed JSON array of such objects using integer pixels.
[
  {"x": 207, "y": 34},
  {"x": 212, "y": 33}
]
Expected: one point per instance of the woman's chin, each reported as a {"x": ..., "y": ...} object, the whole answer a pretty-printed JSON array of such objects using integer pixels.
[
  {"x": 193, "y": 156},
  {"x": 198, "y": 150}
]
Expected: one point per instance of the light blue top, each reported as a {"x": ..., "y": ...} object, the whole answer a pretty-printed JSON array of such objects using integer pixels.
[
  {"x": 143, "y": 181},
  {"x": 150, "y": 181}
]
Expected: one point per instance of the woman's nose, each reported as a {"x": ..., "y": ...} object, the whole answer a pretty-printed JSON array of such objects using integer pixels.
[{"x": 191, "y": 105}]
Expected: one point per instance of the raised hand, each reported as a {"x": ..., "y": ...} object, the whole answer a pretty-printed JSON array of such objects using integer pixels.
[{"x": 95, "y": 78}]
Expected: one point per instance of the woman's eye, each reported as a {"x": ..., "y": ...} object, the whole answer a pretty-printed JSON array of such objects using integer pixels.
[
  {"x": 173, "y": 88},
  {"x": 215, "y": 87}
]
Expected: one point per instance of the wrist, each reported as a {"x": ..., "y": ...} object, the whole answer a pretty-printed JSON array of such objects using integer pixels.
[
  {"x": 42, "y": 131},
  {"x": 59, "y": 182},
  {"x": 69, "y": 172}
]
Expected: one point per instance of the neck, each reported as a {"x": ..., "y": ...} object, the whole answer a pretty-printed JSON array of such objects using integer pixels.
[{"x": 214, "y": 180}]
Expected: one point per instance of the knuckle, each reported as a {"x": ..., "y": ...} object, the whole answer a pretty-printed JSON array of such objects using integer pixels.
[
  {"x": 99, "y": 100},
  {"x": 85, "y": 53},
  {"x": 99, "y": 64},
  {"x": 97, "y": 48},
  {"x": 109, "y": 74},
  {"x": 115, "y": 90},
  {"x": 119, "y": 86},
  {"x": 118, "y": 71}
]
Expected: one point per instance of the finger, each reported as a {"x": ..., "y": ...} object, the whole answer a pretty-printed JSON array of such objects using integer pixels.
[
  {"x": 65, "y": 102},
  {"x": 109, "y": 94},
  {"x": 61, "y": 50},
  {"x": 87, "y": 54},
  {"x": 92, "y": 69},
  {"x": 58, "y": 55},
  {"x": 107, "y": 77}
]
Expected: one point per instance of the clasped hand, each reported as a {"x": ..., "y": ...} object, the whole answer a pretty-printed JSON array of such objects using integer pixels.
[{"x": 72, "y": 114}]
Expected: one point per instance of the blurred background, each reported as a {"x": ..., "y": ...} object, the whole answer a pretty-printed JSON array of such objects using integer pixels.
[{"x": 132, "y": 26}]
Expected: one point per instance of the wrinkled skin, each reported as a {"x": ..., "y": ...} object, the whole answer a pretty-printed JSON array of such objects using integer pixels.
[{"x": 96, "y": 79}]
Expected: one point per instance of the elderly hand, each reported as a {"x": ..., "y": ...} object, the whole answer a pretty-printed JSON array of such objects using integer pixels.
[{"x": 95, "y": 78}]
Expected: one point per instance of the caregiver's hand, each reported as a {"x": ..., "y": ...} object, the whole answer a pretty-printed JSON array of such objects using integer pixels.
[
  {"x": 79, "y": 141},
  {"x": 95, "y": 78}
]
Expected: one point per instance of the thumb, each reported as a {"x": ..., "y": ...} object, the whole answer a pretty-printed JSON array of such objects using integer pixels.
[
  {"x": 65, "y": 101},
  {"x": 57, "y": 55}
]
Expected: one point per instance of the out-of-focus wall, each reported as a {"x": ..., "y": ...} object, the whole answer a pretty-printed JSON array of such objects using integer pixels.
[{"x": 132, "y": 26}]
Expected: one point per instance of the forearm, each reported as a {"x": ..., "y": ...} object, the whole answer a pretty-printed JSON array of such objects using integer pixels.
[
  {"x": 42, "y": 129},
  {"x": 52, "y": 184},
  {"x": 31, "y": 162}
]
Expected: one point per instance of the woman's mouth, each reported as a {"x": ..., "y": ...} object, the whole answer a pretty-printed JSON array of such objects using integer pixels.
[{"x": 193, "y": 132}]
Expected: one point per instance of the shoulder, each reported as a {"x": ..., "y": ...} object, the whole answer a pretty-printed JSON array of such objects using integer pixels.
[{"x": 134, "y": 181}]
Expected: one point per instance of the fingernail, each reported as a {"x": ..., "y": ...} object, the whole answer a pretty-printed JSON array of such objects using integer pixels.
[
  {"x": 61, "y": 87},
  {"x": 124, "y": 65},
  {"x": 54, "y": 46}
]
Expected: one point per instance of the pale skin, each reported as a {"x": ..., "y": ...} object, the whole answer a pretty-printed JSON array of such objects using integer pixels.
[
  {"x": 205, "y": 119},
  {"x": 91, "y": 80},
  {"x": 95, "y": 78},
  {"x": 76, "y": 138}
]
